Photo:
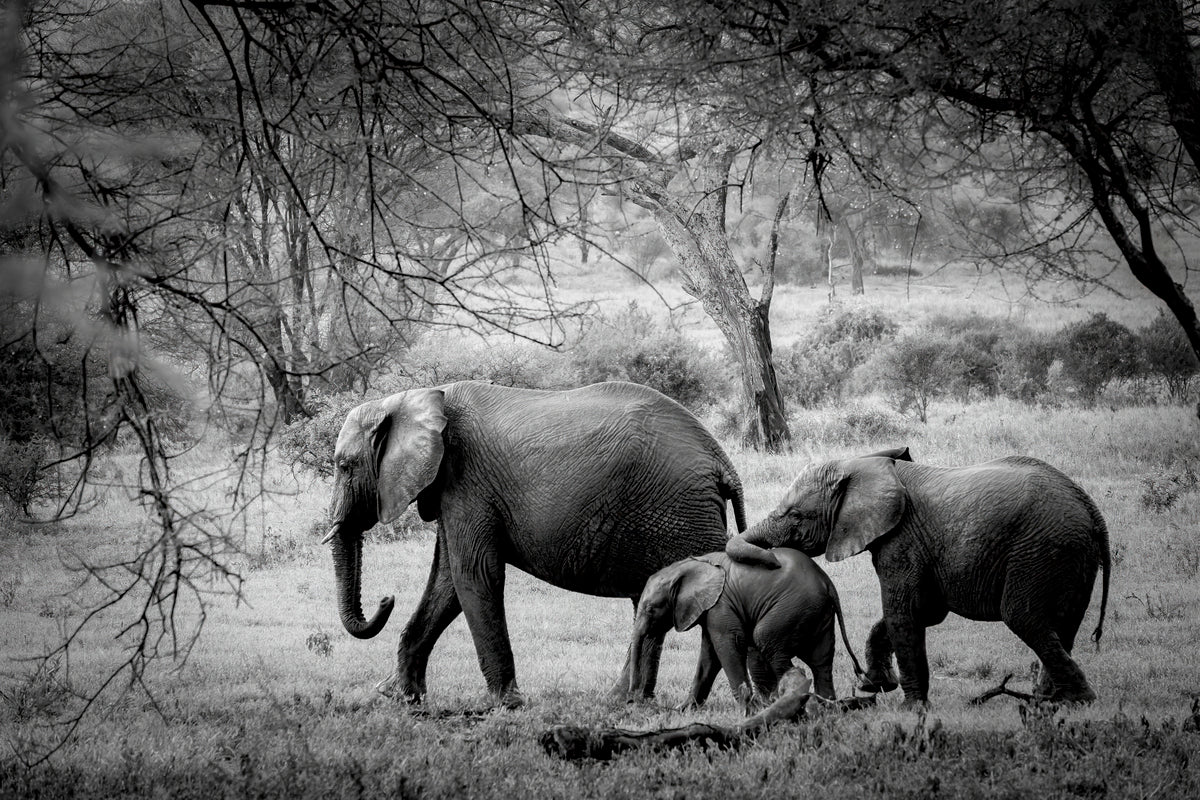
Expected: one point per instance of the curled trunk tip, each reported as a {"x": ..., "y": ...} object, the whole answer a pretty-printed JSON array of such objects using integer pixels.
[
  {"x": 347, "y": 567},
  {"x": 741, "y": 550}
]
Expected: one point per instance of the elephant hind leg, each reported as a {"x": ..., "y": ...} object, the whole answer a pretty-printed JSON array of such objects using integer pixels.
[
  {"x": 1061, "y": 679},
  {"x": 763, "y": 672},
  {"x": 437, "y": 608}
]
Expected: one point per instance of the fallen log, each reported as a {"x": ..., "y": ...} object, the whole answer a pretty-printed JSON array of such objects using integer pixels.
[{"x": 573, "y": 742}]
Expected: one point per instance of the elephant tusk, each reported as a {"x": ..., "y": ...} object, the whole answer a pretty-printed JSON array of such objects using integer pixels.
[{"x": 329, "y": 536}]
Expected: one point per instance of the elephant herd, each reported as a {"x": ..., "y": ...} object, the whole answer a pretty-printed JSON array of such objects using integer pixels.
[{"x": 615, "y": 490}]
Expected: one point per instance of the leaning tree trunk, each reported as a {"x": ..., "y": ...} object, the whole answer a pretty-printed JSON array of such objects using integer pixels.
[
  {"x": 856, "y": 257},
  {"x": 695, "y": 231}
]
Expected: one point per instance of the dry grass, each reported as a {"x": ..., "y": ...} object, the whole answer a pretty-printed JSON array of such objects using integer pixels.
[{"x": 276, "y": 700}]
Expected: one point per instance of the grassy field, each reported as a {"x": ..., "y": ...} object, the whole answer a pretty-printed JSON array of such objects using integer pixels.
[{"x": 277, "y": 701}]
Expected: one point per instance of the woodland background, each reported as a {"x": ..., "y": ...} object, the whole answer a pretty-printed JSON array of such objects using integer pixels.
[{"x": 825, "y": 227}]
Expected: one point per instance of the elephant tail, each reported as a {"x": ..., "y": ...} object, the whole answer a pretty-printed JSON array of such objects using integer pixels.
[
  {"x": 730, "y": 486},
  {"x": 1105, "y": 564},
  {"x": 837, "y": 610}
]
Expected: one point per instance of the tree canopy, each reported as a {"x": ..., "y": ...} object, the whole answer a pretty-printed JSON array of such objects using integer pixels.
[{"x": 276, "y": 196}]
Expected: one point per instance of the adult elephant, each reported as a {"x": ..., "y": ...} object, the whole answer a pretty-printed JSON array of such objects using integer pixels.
[
  {"x": 591, "y": 489},
  {"x": 1012, "y": 539}
]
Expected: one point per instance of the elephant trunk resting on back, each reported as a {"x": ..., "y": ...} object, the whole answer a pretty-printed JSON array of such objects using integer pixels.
[
  {"x": 1012, "y": 539},
  {"x": 592, "y": 490}
]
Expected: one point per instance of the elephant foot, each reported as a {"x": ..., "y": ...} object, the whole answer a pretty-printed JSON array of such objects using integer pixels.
[
  {"x": 393, "y": 687},
  {"x": 1079, "y": 695},
  {"x": 878, "y": 680},
  {"x": 511, "y": 698}
]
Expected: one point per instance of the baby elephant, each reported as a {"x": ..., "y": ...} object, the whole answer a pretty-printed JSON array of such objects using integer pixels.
[{"x": 750, "y": 617}]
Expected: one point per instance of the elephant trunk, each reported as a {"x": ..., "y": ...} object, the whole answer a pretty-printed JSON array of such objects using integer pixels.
[
  {"x": 752, "y": 547},
  {"x": 644, "y": 655},
  {"x": 347, "y": 568}
]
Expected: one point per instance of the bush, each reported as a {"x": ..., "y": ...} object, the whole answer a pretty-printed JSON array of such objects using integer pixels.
[
  {"x": 972, "y": 342},
  {"x": 23, "y": 479},
  {"x": 631, "y": 347},
  {"x": 1167, "y": 355},
  {"x": 857, "y": 425},
  {"x": 309, "y": 443},
  {"x": 441, "y": 358},
  {"x": 914, "y": 370},
  {"x": 1096, "y": 352},
  {"x": 817, "y": 367},
  {"x": 1023, "y": 361}
]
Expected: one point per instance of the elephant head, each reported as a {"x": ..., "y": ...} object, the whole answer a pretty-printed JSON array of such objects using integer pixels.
[
  {"x": 837, "y": 508},
  {"x": 676, "y": 595},
  {"x": 387, "y": 452}
]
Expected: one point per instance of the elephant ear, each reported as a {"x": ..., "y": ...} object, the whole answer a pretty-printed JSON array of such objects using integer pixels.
[
  {"x": 872, "y": 502},
  {"x": 699, "y": 588},
  {"x": 408, "y": 447}
]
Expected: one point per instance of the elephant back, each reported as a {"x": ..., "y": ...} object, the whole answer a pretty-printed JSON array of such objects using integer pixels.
[{"x": 595, "y": 488}]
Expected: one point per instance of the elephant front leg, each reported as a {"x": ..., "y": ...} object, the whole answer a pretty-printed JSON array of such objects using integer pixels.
[
  {"x": 732, "y": 649},
  {"x": 707, "y": 667},
  {"x": 908, "y": 637},
  {"x": 479, "y": 583},
  {"x": 880, "y": 677},
  {"x": 620, "y": 690},
  {"x": 437, "y": 608}
]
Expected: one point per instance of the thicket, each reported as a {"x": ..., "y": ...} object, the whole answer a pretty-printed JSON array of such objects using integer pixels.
[
  {"x": 859, "y": 350},
  {"x": 629, "y": 346},
  {"x": 817, "y": 368},
  {"x": 850, "y": 351}
]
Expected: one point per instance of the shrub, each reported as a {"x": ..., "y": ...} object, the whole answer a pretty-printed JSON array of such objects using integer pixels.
[
  {"x": 1167, "y": 355},
  {"x": 23, "y": 477},
  {"x": 896, "y": 271},
  {"x": 1023, "y": 361},
  {"x": 1161, "y": 488},
  {"x": 1095, "y": 352},
  {"x": 448, "y": 357},
  {"x": 817, "y": 367},
  {"x": 1159, "y": 492},
  {"x": 309, "y": 443},
  {"x": 972, "y": 342},
  {"x": 631, "y": 347},
  {"x": 856, "y": 324},
  {"x": 318, "y": 642},
  {"x": 914, "y": 370},
  {"x": 870, "y": 424}
]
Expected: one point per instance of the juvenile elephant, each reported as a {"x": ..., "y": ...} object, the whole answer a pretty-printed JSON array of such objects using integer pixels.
[
  {"x": 592, "y": 490},
  {"x": 749, "y": 616},
  {"x": 1012, "y": 539}
]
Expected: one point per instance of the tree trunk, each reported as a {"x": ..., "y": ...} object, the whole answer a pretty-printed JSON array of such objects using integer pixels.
[
  {"x": 696, "y": 234},
  {"x": 288, "y": 389},
  {"x": 584, "y": 232},
  {"x": 856, "y": 256}
]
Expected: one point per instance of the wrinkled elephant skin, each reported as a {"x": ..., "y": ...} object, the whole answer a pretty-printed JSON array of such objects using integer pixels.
[
  {"x": 754, "y": 621},
  {"x": 592, "y": 490},
  {"x": 1011, "y": 540}
]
